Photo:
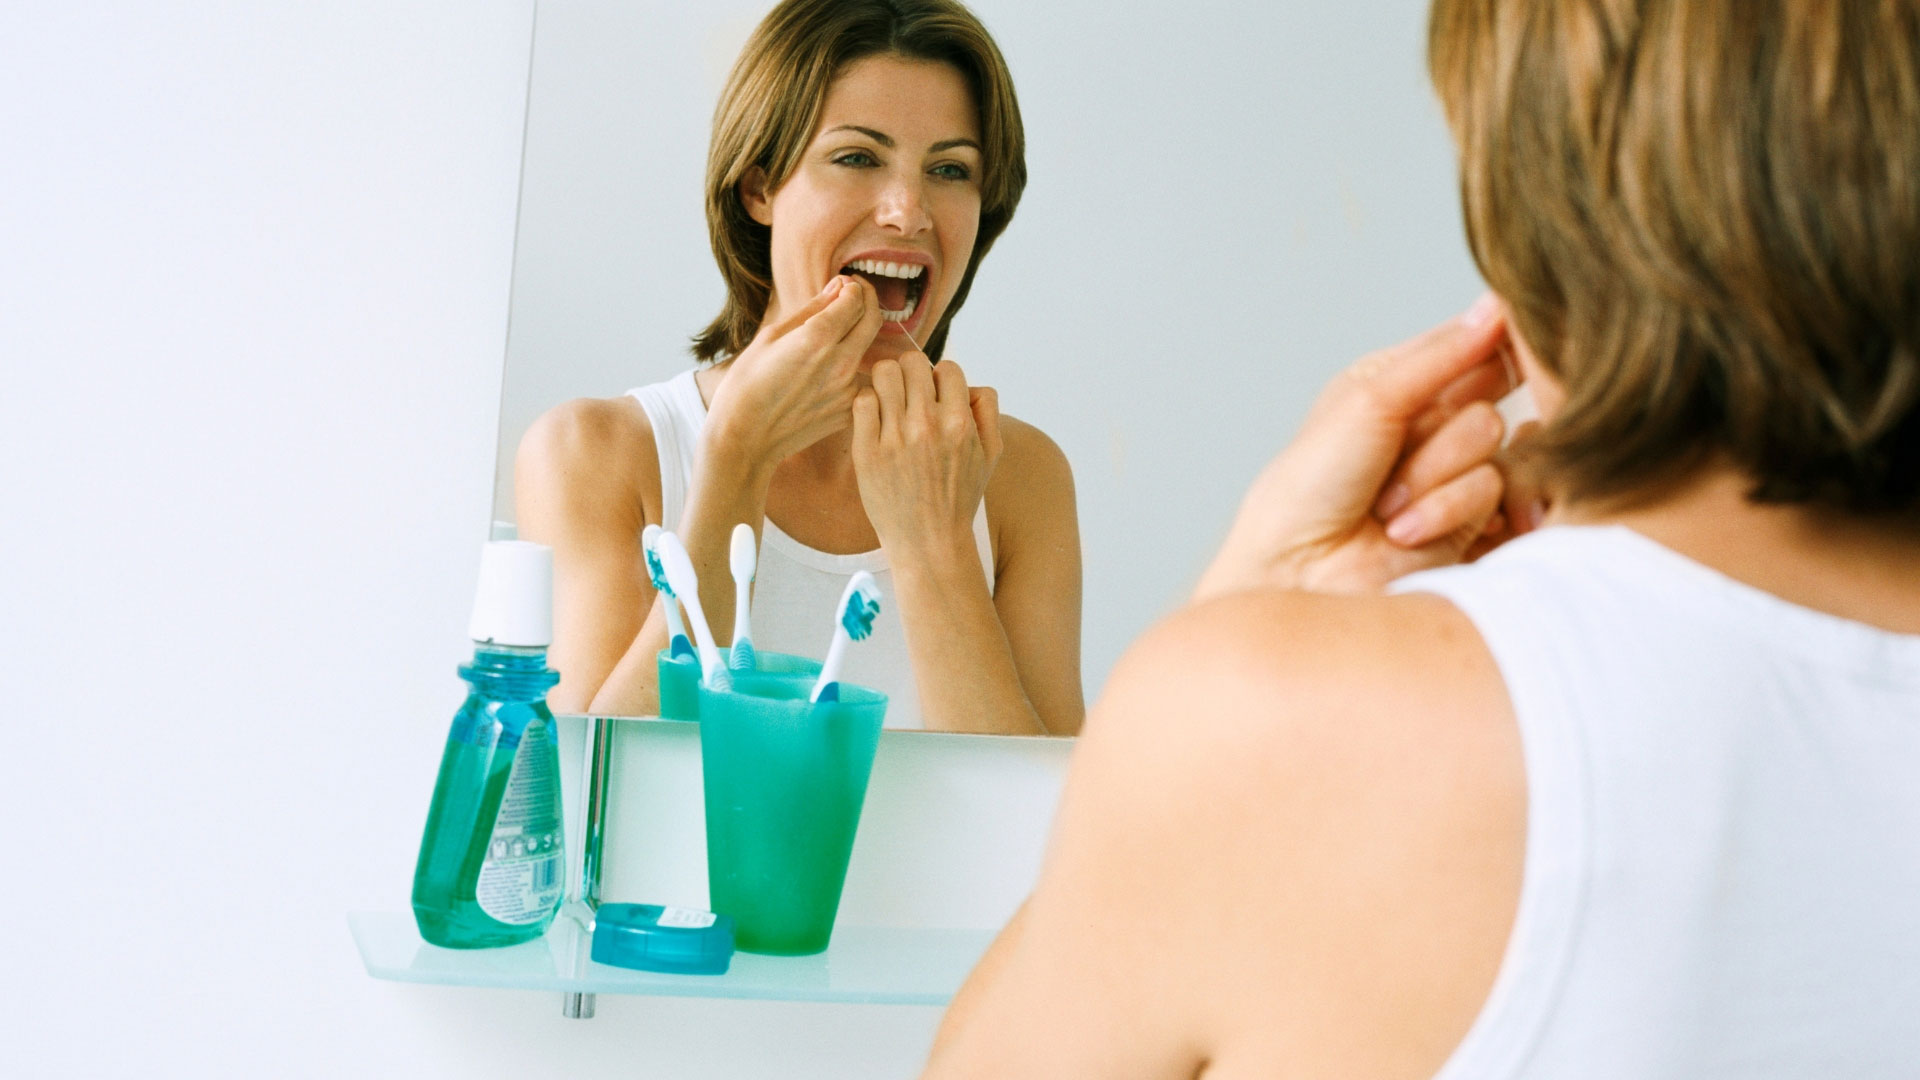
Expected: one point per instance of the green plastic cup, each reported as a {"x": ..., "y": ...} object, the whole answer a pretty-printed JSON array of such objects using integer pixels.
[
  {"x": 785, "y": 779},
  {"x": 680, "y": 679}
]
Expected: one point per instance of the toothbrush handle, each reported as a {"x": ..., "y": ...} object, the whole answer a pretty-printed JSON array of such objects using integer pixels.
[
  {"x": 741, "y": 630},
  {"x": 830, "y": 671},
  {"x": 713, "y": 670},
  {"x": 675, "y": 627}
]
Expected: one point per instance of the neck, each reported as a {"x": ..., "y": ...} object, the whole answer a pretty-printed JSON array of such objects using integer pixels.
[
  {"x": 1863, "y": 569},
  {"x": 829, "y": 459}
]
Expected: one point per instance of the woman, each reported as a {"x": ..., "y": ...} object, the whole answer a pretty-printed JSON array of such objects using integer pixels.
[
  {"x": 1633, "y": 796},
  {"x": 865, "y": 156}
]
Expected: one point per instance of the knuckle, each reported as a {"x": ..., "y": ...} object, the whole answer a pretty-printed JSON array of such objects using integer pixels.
[{"x": 1484, "y": 421}]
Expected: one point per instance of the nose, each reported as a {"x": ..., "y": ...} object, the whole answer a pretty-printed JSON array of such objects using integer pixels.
[{"x": 903, "y": 206}]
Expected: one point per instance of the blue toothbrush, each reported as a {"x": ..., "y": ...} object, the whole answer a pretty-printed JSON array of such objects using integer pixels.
[
  {"x": 679, "y": 645},
  {"x": 740, "y": 559},
  {"x": 686, "y": 585},
  {"x": 859, "y": 606}
]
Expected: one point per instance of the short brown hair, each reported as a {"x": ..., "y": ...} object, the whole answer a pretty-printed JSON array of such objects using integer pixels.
[
  {"x": 1705, "y": 215},
  {"x": 772, "y": 103}
]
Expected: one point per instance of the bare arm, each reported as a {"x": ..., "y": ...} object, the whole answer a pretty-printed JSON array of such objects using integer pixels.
[
  {"x": 583, "y": 477},
  {"x": 1315, "y": 877},
  {"x": 925, "y": 446},
  {"x": 1032, "y": 619},
  {"x": 791, "y": 387}
]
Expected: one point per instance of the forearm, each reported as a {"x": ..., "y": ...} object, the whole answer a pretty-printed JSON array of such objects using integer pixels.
[
  {"x": 724, "y": 494},
  {"x": 632, "y": 688},
  {"x": 961, "y": 659},
  {"x": 729, "y": 487}
]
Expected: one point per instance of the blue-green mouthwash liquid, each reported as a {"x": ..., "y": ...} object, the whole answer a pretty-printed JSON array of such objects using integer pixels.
[{"x": 492, "y": 858}]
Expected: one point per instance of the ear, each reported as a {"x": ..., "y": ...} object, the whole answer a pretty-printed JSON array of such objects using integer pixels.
[
  {"x": 753, "y": 195},
  {"x": 1546, "y": 391}
]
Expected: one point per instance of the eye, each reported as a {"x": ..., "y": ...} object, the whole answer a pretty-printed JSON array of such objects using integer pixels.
[
  {"x": 952, "y": 170},
  {"x": 856, "y": 159}
]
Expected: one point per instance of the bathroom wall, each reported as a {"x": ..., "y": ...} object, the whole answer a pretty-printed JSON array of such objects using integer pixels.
[{"x": 253, "y": 298}]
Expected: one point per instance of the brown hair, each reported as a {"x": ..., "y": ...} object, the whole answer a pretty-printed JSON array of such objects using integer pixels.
[
  {"x": 772, "y": 103},
  {"x": 1705, "y": 216}
]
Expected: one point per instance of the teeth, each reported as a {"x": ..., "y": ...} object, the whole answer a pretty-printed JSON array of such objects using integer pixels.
[
  {"x": 887, "y": 269},
  {"x": 902, "y": 315}
]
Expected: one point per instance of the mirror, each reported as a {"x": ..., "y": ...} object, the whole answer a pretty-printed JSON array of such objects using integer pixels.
[{"x": 1228, "y": 201}]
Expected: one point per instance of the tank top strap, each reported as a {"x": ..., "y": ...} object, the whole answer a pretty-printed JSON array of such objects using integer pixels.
[{"x": 677, "y": 414}]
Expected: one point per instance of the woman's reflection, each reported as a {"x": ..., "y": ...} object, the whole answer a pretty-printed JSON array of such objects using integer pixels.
[{"x": 865, "y": 156}]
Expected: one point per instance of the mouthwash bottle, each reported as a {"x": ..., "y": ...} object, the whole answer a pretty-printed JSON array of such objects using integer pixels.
[{"x": 491, "y": 861}]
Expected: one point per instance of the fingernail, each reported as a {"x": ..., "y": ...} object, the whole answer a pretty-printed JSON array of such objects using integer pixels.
[
  {"x": 1407, "y": 530},
  {"x": 1395, "y": 500},
  {"x": 1482, "y": 311},
  {"x": 833, "y": 285}
]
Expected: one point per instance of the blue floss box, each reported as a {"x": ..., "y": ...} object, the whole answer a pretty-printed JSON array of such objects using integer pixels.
[{"x": 653, "y": 937}]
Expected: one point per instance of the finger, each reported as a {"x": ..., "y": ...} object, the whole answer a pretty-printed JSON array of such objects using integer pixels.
[
  {"x": 917, "y": 374},
  {"x": 1487, "y": 381},
  {"x": 840, "y": 322},
  {"x": 1491, "y": 537},
  {"x": 1471, "y": 437},
  {"x": 1458, "y": 508},
  {"x": 950, "y": 384},
  {"x": 985, "y": 403},
  {"x": 890, "y": 394},
  {"x": 819, "y": 303},
  {"x": 866, "y": 321},
  {"x": 1401, "y": 381},
  {"x": 866, "y": 421}
]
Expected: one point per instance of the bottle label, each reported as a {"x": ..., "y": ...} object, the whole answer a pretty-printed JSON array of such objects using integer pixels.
[
  {"x": 520, "y": 878},
  {"x": 685, "y": 918}
]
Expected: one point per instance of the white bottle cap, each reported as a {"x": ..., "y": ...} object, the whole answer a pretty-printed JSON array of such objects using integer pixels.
[{"x": 514, "y": 602}]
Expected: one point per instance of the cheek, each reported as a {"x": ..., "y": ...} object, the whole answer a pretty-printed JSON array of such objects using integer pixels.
[{"x": 959, "y": 231}]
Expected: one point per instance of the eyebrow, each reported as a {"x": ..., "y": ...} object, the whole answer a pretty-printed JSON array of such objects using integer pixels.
[{"x": 886, "y": 140}]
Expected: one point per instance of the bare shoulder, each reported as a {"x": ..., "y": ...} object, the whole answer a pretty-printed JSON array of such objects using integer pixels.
[
  {"x": 1030, "y": 494},
  {"x": 587, "y": 459},
  {"x": 1299, "y": 654},
  {"x": 1344, "y": 776},
  {"x": 1029, "y": 454}
]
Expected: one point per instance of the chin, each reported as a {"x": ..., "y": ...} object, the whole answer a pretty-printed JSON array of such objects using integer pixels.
[{"x": 888, "y": 346}]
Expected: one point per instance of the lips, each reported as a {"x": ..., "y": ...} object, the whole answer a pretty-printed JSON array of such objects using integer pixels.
[{"x": 898, "y": 285}]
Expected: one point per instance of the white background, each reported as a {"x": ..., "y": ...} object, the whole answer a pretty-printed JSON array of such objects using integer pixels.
[
  {"x": 1228, "y": 201},
  {"x": 254, "y": 272}
]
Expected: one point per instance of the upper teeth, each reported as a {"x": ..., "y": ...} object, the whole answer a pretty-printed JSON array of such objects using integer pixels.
[{"x": 887, "y": 269}]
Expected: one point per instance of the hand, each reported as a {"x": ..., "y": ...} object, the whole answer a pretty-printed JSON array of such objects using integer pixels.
[
  {"x": 924, "y": 445},
  {"x": 795, "y": 383},
  {"x": 1523, "y": 502},
  {"x": 1393, "y": 471}
]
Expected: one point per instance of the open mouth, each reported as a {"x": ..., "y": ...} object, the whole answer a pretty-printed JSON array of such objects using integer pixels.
[{"x": 898, "y": 285}]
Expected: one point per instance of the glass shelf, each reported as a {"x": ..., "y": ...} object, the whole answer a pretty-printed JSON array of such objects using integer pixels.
[{"x": 864, "y": 965}]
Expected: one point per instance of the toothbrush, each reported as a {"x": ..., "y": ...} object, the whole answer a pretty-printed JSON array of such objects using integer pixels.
[
  {"x": 859, "y": 606},
  {"x": 686, "y": 585},
  {"x": 740, "y": 560},
  {"x": 678, "y": 644}
]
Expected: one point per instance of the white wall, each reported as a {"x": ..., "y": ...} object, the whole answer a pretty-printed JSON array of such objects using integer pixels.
[
  {"x": 254, "y": 264},
  {"x": 1229, "y": 200}
]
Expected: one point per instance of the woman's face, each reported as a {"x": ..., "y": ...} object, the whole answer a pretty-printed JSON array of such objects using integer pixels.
[{"x": 888, "y": 188}]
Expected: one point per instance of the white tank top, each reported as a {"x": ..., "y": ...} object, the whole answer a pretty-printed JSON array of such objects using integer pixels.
[
  {"x": 1723, "y": 823},
  {"x": 796, "y": 588}
]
